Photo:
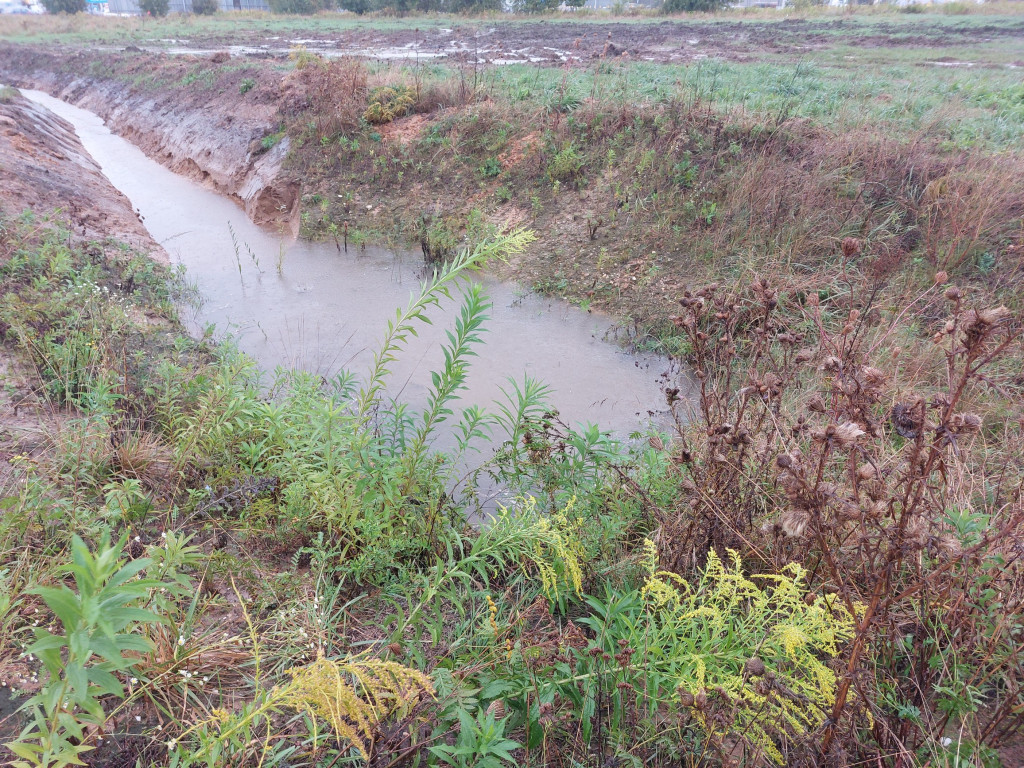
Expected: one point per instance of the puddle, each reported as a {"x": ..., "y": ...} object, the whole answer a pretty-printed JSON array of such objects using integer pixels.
[
  {"x": 326, "y": 310},
  {"x": 325, "y": 48}
]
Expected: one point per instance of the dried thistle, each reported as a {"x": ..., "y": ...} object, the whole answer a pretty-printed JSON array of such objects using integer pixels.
[{"x": 794, "y": 522}]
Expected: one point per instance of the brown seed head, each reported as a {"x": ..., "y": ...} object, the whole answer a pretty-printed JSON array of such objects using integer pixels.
[
  {"x": 852, "y": 247},
  {"x": 993, "y": 315},
  {"x": 754, "y": 667},
  {"x": 847, "y": 434}
]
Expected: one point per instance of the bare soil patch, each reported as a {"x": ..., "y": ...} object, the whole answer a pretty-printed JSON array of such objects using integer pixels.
[
  {"x": 558, "y": 42},
  {"x": 44, "y": 167}
]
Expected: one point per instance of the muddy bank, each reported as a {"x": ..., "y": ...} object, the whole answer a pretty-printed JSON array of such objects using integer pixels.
[
  {"x": 220, "y": 145},
  {"x": 44, "y": 167}
]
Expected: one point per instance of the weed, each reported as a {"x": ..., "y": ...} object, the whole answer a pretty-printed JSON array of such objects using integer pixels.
[
  {"x": 388, "y": 103},
  {"x": 100, "y": 623},
  {"x": 566, "y": 165}
]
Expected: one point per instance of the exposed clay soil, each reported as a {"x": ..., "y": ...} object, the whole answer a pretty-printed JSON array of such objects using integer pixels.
[
  {"x": 571, "y": 42},
  {"x": 220, "y": 148},
  {"x": 44, "y": 167}
]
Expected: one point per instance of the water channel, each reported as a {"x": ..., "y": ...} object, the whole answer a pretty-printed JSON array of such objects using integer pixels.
[{"x": 326, "y": 310}]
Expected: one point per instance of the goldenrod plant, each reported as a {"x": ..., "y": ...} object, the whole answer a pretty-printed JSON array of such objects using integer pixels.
[
  {"x": 748, "y": 661},
  {"x": 353, "y": 695}
]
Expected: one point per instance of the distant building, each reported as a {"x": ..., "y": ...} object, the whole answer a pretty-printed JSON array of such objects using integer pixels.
[{"x": 20, "y": 6}]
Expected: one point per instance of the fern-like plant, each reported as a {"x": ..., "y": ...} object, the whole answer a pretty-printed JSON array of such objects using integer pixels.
[
  {"x": 351, "y": 696},
  {"x": 354, "y": 695},
  {"x": 439, "y": 285}
]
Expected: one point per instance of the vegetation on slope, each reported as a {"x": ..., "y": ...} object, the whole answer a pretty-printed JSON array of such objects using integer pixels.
[{"x": 289, "y": 577}]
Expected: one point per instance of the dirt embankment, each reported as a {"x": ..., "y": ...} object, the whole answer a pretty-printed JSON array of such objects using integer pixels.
[
  {"x": 221, "y": 147},
  {"x": 43, "y": 167}
]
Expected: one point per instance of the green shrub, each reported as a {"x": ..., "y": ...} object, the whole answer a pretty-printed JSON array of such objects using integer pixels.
[
  {"x": 693, "y": 6},
  {"x": 205, "y": 7},
  {"x": 388, "y": 103},
  {"x": 246, "y": 85},
  {"x": 64, "y": 6},
  {"x": 300, "y": 7},
  {"x": 566, "y": 165},
  {"x": 154, "y": 7},
  {"x": 534, "y": 6}
]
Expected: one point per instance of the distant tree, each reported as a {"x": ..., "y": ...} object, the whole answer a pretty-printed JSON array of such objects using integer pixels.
[
  {"x": 355, "y": 6},
  {"x": 205, "y": 7},
  {"x": 534, "y": 6},
  {"x": 154, "y": 7},
  {"x": 301, "y": 7},
  {"x": 398, "y": 7},
  {"x": 575, "y": 3},
  {"x": 471, "y": 6},
  {"x": 64, "y": 6},
  {"x": 694, "y": 6}
]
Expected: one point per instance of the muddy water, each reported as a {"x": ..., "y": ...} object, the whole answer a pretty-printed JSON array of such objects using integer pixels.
[{"x": 311, "y": 306}]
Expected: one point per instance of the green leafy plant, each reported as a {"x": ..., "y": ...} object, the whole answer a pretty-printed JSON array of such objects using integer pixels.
[
  {"x": 491, "y": 168},
  {"x": 481, "y": 743},
  {"x": 566, "y": 165},
  {"x": 101, "y": 623}
]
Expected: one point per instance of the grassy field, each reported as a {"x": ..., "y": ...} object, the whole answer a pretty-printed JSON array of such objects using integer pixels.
[{"x": 819, "y": 565}]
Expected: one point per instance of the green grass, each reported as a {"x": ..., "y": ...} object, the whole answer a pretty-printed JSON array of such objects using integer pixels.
[{"x": 968, "y": 106}]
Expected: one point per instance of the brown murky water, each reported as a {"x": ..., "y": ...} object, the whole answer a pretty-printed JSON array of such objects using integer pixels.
[{"x": 326, "y": 310}]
